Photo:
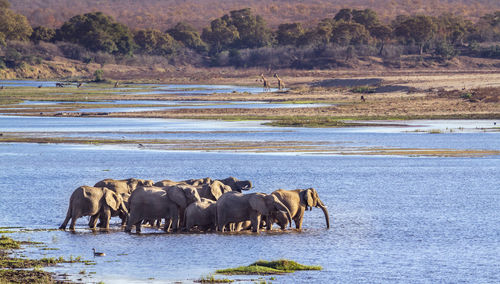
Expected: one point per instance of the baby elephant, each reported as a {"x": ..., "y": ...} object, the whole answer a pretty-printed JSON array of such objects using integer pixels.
[
  {"x": 94, "y": 202},
  {"x": 201, "y": 214}
]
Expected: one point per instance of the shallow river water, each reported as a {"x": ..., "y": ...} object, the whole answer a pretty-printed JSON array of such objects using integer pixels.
[{"x": 393, "y": 218}]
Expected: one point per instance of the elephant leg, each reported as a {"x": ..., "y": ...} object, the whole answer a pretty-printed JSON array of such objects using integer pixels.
[
  {"x": 138, "y": 226},
  {"x": 181, "y": 217},
  {"x": 65, "y": 223},
  {"x": 269, "y": 222},
  {"x": 73, "y": 222},
  {"x": 168, "y": 224},
  {"x": 298, "y": 219},
  {"x": 255, "y": 222},
  {"x": 175, "y": 222},
  {"x": 124, "y": 219},
  {"x": 106, "y": 216},
  {"x": 93, "y": 221}
]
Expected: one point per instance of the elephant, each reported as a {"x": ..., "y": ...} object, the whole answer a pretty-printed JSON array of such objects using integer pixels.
[
  {"x": 95, "y": 202},
  {"x": 201, "y": 214},
  {"x": 214, "y": 190},
  {"x": 236, "y": 184},
  {"x": 123, "y": 186},
  {"x": 198, "y": 182},
  {"x": 182, "y": 195},
  {"x": 150, "y": 203},
  {"x": 298, "y": 200},
  {"x": 235, "y": 207}
]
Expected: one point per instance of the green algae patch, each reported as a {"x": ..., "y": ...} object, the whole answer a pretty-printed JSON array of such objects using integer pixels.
[{"x": 263, "y": 267}]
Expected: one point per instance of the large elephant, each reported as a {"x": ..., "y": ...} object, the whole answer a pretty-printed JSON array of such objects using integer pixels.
[
  {"x": 124, "y": 186},
  {"x": 298, "y": 200},
  {"x": 213, "y": 190},
  {"x": 94, "y": 202},
  {"x": 182, "y": 195},
  {"x": 201, "y": 214},
  {"x": 151, "y": 203},
  {"x": 236, "y": 184},
  {"x": 235, "y": 207}
]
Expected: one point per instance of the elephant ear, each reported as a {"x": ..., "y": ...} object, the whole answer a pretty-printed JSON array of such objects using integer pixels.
[
  {"x": 111, "y": 199},
  {"x": 191, "y": 194},
  {"x": 308, "y": 198},
  {"x": 226, "y": 188},
  {"x": 177, "y": 195},
  {"x": 132, "y": 184},
  {"x": 258, "y": 203},
  {"x": 215, "y": 189}
]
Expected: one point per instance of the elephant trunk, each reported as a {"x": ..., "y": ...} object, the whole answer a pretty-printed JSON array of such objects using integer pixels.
[
  {"x": 244, "y": 185},
  {"x": 325, "y": 211},
  {"x": 282, "y": 207},
  {"x": 123, "y": 208}
]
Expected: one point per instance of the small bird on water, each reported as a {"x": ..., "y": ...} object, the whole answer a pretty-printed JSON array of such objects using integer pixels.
[{"x": 98, "y": 253}]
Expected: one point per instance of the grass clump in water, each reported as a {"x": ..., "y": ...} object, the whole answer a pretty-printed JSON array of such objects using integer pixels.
[
  {"x": 263, "y": 267},
  {"x": 211, "y": 279},
  {"x": 8, "y": 243}
]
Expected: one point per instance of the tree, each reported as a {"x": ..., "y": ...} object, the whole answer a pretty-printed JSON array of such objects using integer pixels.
[
  {"x": 488, "y": 27},
  {"x": 418, "y": 29},
  {"x": 220, "y": 35},
  {"x": 453, "y": 29},
  {"x": 187, "y": 35},
  {"x": 155, "y": 42},
  {"x": 240, "y": 29},
  {"x": 12, "y": 26},
  {"x": 289, "y": 34},
  {"x": 4, "y": 4},
  {"x": 382, "y": 33},
  {"x": 343, "y": 15},
  {"x": 252, "y": 30},
  {"x": 366, "y": 17},
  {"x": 97, "y": 32},
  {"x": 346, "y": 33},
  {"x": 42, "y": 34}
]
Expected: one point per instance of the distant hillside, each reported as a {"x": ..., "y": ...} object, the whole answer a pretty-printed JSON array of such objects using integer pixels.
[{"x": 163, "y": 14}]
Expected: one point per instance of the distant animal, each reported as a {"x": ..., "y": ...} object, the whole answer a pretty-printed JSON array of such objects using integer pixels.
[
  {"x": 281, "y": 84},
  {"x": 265, "y": 83},
  {"x": 98, "y": 253},
  {"x": 363, "y": 98},
  {"x": 117, "y": 85},
  {"x": 79, "y": 85},
  {"x": 1, "y": 87},
  {"x": 60, "y": 85},
  {"x": 39, "y": 86}
]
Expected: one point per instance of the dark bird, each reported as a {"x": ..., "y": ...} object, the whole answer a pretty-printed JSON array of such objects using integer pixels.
[{"x": 98, "y": 253}]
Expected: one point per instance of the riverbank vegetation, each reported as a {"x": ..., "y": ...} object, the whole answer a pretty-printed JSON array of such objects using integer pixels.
[
  {"x": 23, "y": 270},
  {"x": 242, "y": 39}
]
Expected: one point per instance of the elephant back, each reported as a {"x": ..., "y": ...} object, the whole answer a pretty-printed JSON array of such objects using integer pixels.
[
  {"x": 166, "y": 183},
  {"x": 118, "y": 186}
]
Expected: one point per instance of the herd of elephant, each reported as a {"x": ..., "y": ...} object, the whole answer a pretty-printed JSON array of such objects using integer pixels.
[{"x": 197, "y": 204}]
